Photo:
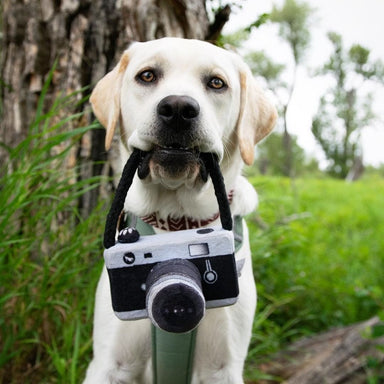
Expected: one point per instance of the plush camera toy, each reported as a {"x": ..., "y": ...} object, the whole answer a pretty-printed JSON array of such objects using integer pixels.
[{"x": 171, "y": 278}]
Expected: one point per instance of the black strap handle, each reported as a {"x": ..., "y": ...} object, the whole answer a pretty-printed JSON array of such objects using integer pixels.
[
  {"x": 209, "y": 161},
  {"x": 212, "y": 165},
  {"x": 119, "y": 199}
]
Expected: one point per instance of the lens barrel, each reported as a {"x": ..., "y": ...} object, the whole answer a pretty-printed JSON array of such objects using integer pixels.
[{"x": 175, "y": 301}]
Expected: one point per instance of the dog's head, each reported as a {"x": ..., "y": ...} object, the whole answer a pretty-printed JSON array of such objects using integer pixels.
[{"x": 177, "y": 98}]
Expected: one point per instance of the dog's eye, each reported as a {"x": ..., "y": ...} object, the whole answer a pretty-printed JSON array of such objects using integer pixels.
[
  {"x": 147, "y": 76},
  {"x": 216, "y": 83}
]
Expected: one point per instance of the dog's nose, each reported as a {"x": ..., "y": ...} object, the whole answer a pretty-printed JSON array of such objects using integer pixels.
[{"x": 178, "y": 111}]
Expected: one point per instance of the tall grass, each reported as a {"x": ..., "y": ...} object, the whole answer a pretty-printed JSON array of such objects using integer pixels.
[
  {"x": 318, "y": 259},
  {"x": 49, "y": 255}
]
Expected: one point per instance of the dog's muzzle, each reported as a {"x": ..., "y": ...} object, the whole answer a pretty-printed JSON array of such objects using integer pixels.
[{"x": 176, "y": 156}]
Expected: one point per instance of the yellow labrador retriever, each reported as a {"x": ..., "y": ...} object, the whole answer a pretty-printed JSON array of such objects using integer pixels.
[{"x": 177, "y": 98}]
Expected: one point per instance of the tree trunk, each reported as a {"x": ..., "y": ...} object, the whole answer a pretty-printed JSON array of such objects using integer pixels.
[
  {"x": 349, "y": 355},
  {"x": 86, "y": 37},
  {"x": 356, "y": 170},
  {"x": 288, "y": 167}
]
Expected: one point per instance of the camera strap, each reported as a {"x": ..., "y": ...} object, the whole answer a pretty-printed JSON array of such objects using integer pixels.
[
  {"x": 119, "y": 199},
  {"x": 208, "y": 160}
]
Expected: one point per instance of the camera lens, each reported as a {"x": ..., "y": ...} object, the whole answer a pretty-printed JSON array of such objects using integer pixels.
[
  {"x": 178, "y": 308},
  {"x": 175, "y": 302}
]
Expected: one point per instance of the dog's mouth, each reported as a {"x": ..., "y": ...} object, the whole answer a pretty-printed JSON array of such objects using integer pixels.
[
  {"x": 173, "y": 165},
  {"x": 177, "y": 149}
]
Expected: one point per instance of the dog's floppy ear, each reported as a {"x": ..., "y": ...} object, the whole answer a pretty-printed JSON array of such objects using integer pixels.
[
  {"x": 257, "y": 115},
  {"x": 105, "y": 98}
]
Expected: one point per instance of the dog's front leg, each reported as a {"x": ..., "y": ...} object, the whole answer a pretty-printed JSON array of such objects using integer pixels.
[{"x": 122, "y": 349}]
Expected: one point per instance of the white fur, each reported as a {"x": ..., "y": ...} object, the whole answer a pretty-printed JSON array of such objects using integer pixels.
[{"x": 122, "y": 352}]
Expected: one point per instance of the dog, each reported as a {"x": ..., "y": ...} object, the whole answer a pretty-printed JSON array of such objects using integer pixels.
[{"x": 177, "y": 98}]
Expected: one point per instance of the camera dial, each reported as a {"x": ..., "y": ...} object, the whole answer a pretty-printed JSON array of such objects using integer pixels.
[
  {"x": 129, "y": 258},
  {"x": 128, "y": 235}
]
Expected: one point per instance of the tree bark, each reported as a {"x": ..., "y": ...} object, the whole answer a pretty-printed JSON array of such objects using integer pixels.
[
  {"x": 341, "y": 356},
  {"x": 86, "y": 37}
]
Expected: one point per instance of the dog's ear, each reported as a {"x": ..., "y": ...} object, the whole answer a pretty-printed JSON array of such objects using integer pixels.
[
  {"x": 105, "y": 98},
  {"x": 257, "y": 115}
]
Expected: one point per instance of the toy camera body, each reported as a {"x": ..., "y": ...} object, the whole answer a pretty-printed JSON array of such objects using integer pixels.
[{"x": 173, "y": 277}]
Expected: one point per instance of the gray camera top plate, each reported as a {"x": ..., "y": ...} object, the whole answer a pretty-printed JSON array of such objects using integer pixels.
[{"x": 181, "y": 244}]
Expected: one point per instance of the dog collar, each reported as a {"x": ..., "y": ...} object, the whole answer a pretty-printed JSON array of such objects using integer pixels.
[{"x": 182, "y": 223}]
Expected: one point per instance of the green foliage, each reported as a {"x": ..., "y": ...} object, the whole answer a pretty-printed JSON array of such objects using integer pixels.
[
  {"x": 375, "y": 369},
  {"x": 318, "y": 260},
  {"x": 345, "y": 110},
  {"x": 261, "y": 65},
  {"x": 262, "y": 19},
  {"x": 373, "y": 70},
  {"x": 293, "y": 19},
  {"x": 294, "y": 22},
  {"x": 270, "y": 158},
  {"x": 50, "y": 257},
  {"x": 235, "y": 39},
  {"x": 359, "y": 55},
  {"x": 372, "y": 172}
]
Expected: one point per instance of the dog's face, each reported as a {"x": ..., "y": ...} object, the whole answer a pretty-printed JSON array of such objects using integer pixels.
[{"x": 177, "y": 98}]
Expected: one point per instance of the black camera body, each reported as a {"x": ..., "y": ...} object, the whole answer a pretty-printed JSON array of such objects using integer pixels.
[{"x": 173, "y": 277}]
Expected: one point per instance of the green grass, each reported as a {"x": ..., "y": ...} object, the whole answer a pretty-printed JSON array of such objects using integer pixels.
[
  {"x": 318, "y": 249},
  {"x": 318, "y": 260},
  {"x": 49, "y": 255}
]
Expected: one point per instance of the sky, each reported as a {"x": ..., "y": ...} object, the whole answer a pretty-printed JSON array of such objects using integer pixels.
[{"x": 359, "y": 22}]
